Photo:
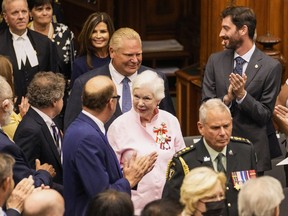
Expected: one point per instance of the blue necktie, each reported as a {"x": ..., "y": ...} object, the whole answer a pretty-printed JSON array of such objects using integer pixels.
[
  {"x": 239, "y": 65},
  {"x": 126, "y": 95}
]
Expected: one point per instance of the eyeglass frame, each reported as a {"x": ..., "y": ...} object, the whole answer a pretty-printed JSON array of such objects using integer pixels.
[{"x": 116, "y": 97}]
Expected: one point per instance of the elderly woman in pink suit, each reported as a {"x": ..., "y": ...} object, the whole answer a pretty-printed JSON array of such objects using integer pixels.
[{"x": 145, "y": 129}]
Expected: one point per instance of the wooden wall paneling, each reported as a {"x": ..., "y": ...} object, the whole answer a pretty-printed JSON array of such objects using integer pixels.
[
  {"x": 132, "y": 14},
  {"x": 184, "y": 100},
  {"x": 188, "y": 91},
  {"x": 188, "y": 32},
  {"x": 161, "y": 18},
  {"x": 210, "y": 28},
  {"x": 284, "y": 26},
  {"x": 77, "y": 11},
  {"x": 274, "y": 19}
]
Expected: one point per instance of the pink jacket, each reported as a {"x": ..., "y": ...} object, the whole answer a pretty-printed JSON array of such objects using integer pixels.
[{"x": 163, "y": 135}]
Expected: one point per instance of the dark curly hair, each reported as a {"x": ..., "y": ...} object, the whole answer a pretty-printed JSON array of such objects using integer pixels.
[{"x": 45, "y": 88}]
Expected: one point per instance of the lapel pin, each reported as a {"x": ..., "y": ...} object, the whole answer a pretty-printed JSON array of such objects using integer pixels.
[
  {"x": 256, "y": 66},
  {"x": 230, "y": 152},
  {"x": 206, "y": 158}
]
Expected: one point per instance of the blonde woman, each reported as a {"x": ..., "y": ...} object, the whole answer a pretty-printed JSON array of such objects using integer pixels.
[{"x": 203, "y": 192}]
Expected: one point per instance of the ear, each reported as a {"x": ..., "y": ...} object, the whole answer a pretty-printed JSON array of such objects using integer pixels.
[
  {"x": 200, "y": 127},
  {"x": 244, "y": 30},
  {"x": 6, "y": 184},
  {"x": 54, "y": 103},
  {"x": 5, "y": 17},
  {"x": 111, "y": 52},
  {"x": 5, "y": 104},
  {"x": 277, "y": 211},
  {"x": 110, "y": 103}
]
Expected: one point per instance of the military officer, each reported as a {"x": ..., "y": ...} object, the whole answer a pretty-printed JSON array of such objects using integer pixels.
[{"x": 217, "y": 149}]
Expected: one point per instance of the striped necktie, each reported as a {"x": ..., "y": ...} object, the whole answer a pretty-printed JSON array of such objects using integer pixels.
[{"x": 57, "y": 137}]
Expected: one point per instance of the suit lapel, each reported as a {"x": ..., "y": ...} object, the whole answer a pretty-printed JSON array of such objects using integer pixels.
[
  {"x": 46, "y": 132},
  {"x": 9, "y": 50},
  {"x": 227, "y": 66},
  {"x": 253, "y": 66}
]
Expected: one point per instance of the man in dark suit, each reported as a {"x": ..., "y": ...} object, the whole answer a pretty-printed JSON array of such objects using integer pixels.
[
  {"x": 251, "y": 90},
  {"x": 37, "y": 134},
  {"x": 216, "y": 149},
  {"x": 43, "y": 173},
  {"x": 28, "y": 51},
  {"x": 89, "y": 162},
  {"x": 12, "y": 198},
  {"x": 126, "y": 58}
]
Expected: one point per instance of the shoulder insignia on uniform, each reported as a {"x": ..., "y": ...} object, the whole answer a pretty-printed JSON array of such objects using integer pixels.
[
  {"x": 184, "y": 150},
  {"x": 170, "y": 171},
  {"x": 240, "y": 139}
]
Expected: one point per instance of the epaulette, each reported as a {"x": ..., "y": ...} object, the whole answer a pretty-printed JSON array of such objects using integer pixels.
[
  {"x": 184, "y": 151},
  {"x": 240, "y": 139}
]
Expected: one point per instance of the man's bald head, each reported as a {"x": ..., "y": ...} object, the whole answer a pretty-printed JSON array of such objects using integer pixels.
[
  {"x": 97, "y": 93},
  {"x": 47, "y": 202}
]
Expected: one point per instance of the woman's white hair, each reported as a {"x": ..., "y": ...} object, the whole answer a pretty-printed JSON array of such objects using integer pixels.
[
  {"x": 260, "y": 197},
  {"x": 151, "y": 80}
]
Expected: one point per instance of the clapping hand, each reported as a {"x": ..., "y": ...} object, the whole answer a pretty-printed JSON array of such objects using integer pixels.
[{"x": 137, "y": 167}]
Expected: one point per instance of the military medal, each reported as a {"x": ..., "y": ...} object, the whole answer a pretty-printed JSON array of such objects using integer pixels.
[
  {"x": 161, "y": 137},
  {"x": 240, "y": 177}
]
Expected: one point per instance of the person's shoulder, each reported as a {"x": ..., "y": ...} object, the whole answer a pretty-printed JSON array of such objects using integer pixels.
[
  {"x": 185, "y": 151},
  {"x": 80, "y": 126},
  {"x": 166, "y": 114},
  {"x": 236, "y": 140},
  {"x": 222, "y": 53},
  {"x": 179, "y": 161},
  {"x": 266, "y": 58},
  {"x": 37, "y": 35},
  {"x": 80, "y": 60},
  {"x": 143, "y": 68},
  {"x": 103, "y": 70},
  {"x": 60, "y": 27},
  {"x": 240, "y": 139},
  {"x": 83, "y": 78}
]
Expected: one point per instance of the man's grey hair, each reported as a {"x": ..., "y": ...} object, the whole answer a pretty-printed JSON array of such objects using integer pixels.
[{"x": 212, "y": 104}]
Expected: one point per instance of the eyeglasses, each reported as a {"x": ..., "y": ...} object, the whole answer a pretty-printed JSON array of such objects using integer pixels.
[{"x": 116, "y": 97}]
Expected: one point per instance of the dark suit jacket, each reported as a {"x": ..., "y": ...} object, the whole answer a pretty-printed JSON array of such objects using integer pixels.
[
  {"x": 74, "y": 105},
  {"x": 34, "y": 138},
  {"x": 240, "y": 156},
  {"x": 21, "y": 167},
  {"x": 90, "y": 165},
  {"x": 254, "y": 113},
  {"x": 46, "y": 54}
]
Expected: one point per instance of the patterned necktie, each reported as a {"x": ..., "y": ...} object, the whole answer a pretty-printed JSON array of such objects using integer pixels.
[
  {"x": 239, "y": 65},
  {"x": 56, "y": 136},
  {"x": 220, "y": 166},
  {"x": 126, "y": 95}
]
